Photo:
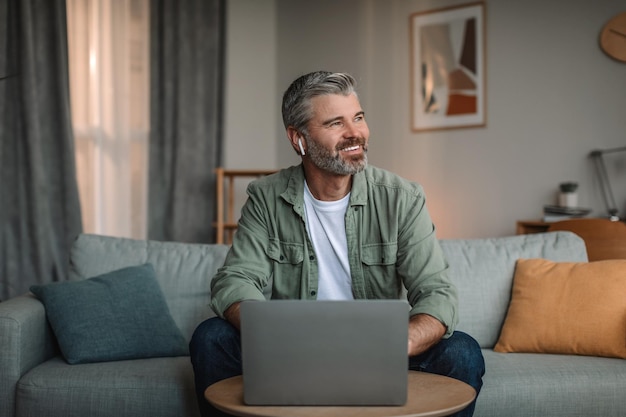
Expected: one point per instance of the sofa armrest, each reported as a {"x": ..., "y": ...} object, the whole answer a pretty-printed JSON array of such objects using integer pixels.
[{"x": 26, "y": 340}]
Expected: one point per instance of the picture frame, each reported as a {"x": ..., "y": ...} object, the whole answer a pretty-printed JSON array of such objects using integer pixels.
[{"x": 448, "y": 71}]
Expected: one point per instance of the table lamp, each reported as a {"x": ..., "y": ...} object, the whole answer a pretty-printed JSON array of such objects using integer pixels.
[{"x": 607, "y": 192}]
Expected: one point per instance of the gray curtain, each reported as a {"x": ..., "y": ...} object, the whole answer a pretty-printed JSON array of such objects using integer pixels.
[
  {"x": 187, "y": 48},
  {"x": 39, "y": 206}
]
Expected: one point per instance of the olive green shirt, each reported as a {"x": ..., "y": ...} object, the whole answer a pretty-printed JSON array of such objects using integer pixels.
[{"x": 391, "y": 246}]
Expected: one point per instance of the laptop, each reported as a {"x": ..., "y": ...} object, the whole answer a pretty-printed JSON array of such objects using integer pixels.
[{"x": 306, "y": 352}]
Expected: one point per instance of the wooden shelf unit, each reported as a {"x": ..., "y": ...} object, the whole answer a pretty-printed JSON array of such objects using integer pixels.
[{"x": 226, "y": 224}]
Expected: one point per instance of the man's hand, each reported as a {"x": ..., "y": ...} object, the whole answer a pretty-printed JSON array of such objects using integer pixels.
[
  {"x": 232, "y": 315},
  {"x": 424, "y": 332}
]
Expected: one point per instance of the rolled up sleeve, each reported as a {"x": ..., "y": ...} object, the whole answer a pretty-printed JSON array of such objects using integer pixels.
[{"x": 423, "y": 268}]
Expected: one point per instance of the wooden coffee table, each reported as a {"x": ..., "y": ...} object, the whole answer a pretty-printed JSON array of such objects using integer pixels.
[{"x": 429, "y": 395}]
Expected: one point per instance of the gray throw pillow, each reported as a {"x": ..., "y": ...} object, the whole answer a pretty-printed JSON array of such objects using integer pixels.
[{"x": 115, "y": 316}]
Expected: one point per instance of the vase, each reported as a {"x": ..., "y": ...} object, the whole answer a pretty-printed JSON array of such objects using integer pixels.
[{"x": 568, "y": 199}]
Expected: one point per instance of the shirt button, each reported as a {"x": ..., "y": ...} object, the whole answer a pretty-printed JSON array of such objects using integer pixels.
[
  {"x": 311, "y": 257},
  {"x": 313, "y": 292},
  {"x": 282, "y": 257}
]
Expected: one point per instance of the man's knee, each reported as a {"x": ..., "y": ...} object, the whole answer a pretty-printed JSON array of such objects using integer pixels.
[
  {"x": 215, "y": 355},
  {"x": 213, "y": 333},
  {"x": 464, "y": 352},
  {"x": 459, "y": 357},
  {"x": 465, "y": 347},
  {"x": 215, "y": 351}
]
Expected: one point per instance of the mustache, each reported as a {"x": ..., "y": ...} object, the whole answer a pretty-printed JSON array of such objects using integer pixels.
[{"x": 352, "y": 142}]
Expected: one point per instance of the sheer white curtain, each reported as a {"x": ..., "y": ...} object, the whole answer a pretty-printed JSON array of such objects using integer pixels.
[{"x": 109, "y": 88}]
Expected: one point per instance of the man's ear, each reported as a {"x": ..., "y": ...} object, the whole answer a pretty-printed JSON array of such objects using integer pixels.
[{"x": 296, "y": 140}]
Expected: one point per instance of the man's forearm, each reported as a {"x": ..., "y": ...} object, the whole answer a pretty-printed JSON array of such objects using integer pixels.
[
  {"x": 424, "y": 332},
  {"x": 232, "y": 315}
]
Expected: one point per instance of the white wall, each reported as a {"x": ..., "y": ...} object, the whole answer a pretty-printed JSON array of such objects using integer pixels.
[
  {"x": 552, "y": 97},
  {"x": 250, "y": 90}
]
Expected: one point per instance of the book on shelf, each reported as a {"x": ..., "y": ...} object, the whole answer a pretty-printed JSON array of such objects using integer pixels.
[
  {"x": 549, "y": 218},
  {"x": 557, "y": 213}
]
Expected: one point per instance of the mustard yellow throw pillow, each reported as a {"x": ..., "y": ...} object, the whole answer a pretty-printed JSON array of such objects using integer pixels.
[{"x": 568, "y": 308}]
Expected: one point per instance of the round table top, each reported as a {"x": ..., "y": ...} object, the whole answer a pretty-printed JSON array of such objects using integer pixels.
[{"x": 429, "y": 395}]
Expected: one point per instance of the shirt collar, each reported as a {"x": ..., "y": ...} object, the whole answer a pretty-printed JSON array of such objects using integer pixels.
[{"x": 294, "y": 193}]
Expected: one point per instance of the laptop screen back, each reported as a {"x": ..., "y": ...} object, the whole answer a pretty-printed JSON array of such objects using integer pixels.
[{"x": 302, "y": 352}]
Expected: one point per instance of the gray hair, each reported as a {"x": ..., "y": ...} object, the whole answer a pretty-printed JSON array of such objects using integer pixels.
[{"x": 296, "y": 106}]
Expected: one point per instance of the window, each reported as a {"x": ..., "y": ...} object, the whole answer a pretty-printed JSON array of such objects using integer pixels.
[{"x": 108, "y": 45}]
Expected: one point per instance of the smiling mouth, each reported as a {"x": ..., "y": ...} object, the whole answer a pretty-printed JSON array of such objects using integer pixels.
[{"x": 351, "y": 148}]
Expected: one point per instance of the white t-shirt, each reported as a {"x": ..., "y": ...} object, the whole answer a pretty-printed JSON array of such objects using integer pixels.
[{"x": 326, "y": 226}]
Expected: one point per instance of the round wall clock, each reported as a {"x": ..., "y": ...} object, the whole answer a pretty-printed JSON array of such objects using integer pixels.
[{"x": 613, "y": 37}]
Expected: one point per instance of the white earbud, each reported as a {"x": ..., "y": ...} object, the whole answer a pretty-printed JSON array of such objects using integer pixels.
[{"x": 301, "y": 147}]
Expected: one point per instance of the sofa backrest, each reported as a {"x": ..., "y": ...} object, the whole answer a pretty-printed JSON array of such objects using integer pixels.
[
  {"x": 483, "y": 269},
  {"x": 183, "y": 270}
]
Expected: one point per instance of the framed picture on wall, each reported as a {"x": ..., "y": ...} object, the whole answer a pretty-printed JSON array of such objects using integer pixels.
[{"x": 448, "y": 68}]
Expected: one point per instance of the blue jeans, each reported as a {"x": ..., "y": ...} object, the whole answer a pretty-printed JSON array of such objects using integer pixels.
[{"x": 215, "y": 350}]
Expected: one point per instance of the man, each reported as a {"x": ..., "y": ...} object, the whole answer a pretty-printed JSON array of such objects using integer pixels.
[{"x": 335, "y": 228}]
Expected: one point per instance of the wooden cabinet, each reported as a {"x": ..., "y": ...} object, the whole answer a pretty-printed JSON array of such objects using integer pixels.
[
  {"x": 604, "y": 239},
  {"x": 525, "y": 227}
]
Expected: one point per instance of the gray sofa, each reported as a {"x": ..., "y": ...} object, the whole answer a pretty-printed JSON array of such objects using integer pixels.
[{"x": 36, "y": 381}]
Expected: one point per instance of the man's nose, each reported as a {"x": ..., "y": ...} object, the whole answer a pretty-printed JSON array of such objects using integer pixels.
[{"x": 352, "y": 130}]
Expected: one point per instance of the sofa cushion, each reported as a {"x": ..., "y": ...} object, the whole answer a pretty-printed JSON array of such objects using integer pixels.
[
  {"x": 567, "y": 307},
  {"x": 482, "y": 270},
  {"x": 183, "y": 270},
  {"x": 115, "y": 316},
  {"x": 139, "y": 387},
  {"x": 536, "y": 384}
]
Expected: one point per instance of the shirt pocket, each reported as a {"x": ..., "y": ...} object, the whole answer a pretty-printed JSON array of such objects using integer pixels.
[
  {"x": 287, "y": 260},
  {"x": 379, "y": 269}
]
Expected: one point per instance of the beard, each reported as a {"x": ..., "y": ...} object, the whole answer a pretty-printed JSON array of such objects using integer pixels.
[{"x": 331, "y": 160}]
